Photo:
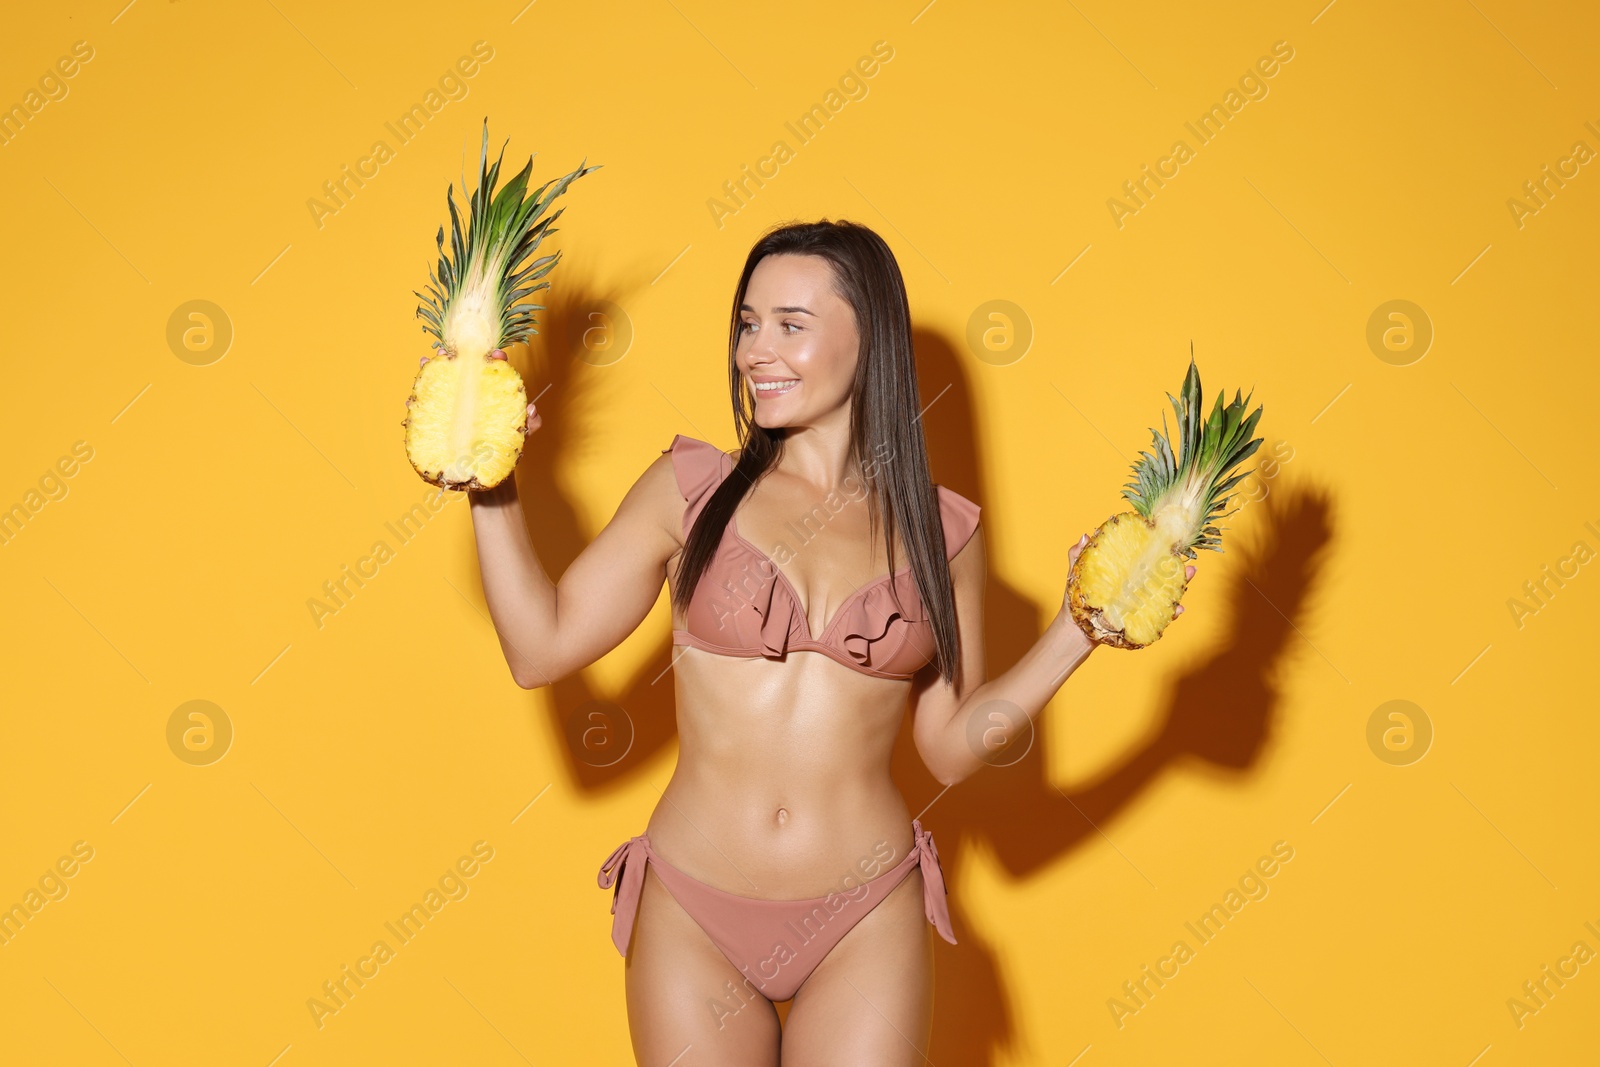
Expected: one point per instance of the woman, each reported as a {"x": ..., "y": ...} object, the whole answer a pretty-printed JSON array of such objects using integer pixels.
[{"x": 819, "y": 580}]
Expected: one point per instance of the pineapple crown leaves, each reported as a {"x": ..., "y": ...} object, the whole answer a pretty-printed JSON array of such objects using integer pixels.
[
  {"x": 1208, "y": 450},
  {"x": 502, "y": 231}
]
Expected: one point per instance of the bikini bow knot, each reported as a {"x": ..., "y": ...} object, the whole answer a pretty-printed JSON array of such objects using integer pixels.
[
  {"x": 625, "y": 901},
  {"x": 934, "y": 903}
]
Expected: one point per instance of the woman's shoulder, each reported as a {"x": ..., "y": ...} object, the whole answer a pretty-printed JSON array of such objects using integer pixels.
[
  {"x": 699, "y": 465},
  {"x": 960, "y": 517}
]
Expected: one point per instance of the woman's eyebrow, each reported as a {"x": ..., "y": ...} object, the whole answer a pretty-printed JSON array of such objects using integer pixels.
[{"x": 782, "y": 310}]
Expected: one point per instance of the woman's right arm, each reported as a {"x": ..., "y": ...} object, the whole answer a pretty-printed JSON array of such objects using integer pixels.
[{"x": 548, "y": 629}]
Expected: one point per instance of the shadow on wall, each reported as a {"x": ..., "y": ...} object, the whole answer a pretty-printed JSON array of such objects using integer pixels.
[
  {"x": 1218, "y": 716},
  {"x": 604, "y": 742}
]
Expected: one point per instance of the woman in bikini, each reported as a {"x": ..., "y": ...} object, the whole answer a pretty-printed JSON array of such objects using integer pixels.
[{"x": 781, "y": 863}]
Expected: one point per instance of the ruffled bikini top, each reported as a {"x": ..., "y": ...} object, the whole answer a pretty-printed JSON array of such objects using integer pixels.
[{"x": 744, "y": 606}]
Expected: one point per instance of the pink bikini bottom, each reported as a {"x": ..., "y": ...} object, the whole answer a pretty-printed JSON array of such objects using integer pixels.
[{"x": 776, "y": 944}]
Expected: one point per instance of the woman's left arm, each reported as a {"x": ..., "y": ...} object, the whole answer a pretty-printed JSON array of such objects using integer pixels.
[{"x": 958, "y": 731}]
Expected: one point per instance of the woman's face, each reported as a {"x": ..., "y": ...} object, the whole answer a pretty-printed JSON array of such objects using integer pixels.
[{"x": 800, "y": 335}]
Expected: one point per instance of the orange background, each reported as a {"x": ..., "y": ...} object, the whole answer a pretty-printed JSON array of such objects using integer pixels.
[{"x": 1417, "y": 492}]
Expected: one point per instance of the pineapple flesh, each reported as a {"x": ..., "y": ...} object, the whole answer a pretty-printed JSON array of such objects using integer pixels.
[
  {"x": 1126, "y": 584},
  {"x": 465, "y": 416}
]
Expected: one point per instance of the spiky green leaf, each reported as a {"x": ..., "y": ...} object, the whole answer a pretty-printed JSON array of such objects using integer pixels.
[{"x": 502, "y": 229}]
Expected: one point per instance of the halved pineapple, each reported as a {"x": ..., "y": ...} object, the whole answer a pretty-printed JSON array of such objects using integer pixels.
[
  {"x": 464, "y": 427},
  {"x": 1125, "y": 586}
]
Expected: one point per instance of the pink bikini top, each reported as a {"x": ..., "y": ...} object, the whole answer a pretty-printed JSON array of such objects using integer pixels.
[{"x": 744, "y": 606}]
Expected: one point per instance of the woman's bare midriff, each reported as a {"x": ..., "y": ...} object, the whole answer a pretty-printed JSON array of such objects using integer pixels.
[{"x": 782, "y": 788}]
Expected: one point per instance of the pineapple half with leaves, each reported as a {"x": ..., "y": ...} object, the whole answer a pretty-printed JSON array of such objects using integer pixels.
[
  {"x": 1125, "y": 586},
  {"x": 464, "y": 427}
]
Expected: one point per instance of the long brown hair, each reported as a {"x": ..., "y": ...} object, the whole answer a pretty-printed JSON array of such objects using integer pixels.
[{"x": 885, "y": 423}]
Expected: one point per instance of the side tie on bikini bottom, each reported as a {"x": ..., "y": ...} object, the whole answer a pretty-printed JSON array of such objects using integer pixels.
[{"x": 774, "y": 943}]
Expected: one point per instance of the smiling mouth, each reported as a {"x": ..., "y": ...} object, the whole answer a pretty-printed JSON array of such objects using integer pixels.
[{"x": 774, "y": 388}]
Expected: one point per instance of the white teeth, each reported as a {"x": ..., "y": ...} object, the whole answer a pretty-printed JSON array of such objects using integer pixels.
[{"x": 775, "y": 387}]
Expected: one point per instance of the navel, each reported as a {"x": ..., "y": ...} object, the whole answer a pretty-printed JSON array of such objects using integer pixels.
[{"x": 783, "y": 816}]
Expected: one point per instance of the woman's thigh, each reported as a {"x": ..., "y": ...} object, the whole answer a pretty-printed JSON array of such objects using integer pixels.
[
  {"x": 687, "y": 1005},
  {"x": 871, "y": 999}
]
